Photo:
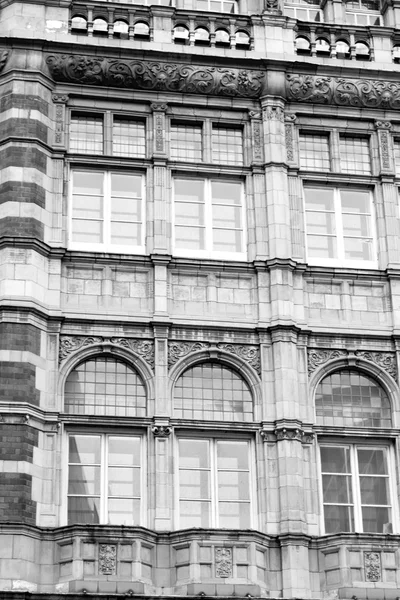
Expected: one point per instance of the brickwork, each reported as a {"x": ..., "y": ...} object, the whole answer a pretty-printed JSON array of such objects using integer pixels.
[
  {"x": 21, "y": 156},
  {"x": 20, "y": 336},
  {"x": 28, "y": 128},
  {"x": 16, "y": 504},
  {"x": 17, "y": 383},
  {"x": 22, "y": 191},
  {"x": 21, "y": 227},
  {"x": 9, "y": 100},
  {"x": 17, "y": 442}
]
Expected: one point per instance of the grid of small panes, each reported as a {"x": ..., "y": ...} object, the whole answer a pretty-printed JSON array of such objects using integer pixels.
[
  {"x": 363, "y": 12},
  {"x": 304, "y": 10},
  {"x": 330, "y": 151},
  {"x": 107, "y": 133},
  {"x": 206, "y": 142}
]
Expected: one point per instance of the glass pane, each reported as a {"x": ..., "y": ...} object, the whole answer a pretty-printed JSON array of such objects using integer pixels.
[
  {"x": 319, "y": 246},
  {"x": 88, "y": 182},
  {"x": 376, "y": 519},
  {"x": 126, "y": 185},
  {"x": 234, "y": 515},
  {"x": 227, "y": 216},
  {"x": 320, "y": 222},
  {"x": 189, "y": 213},
  {"x": 123, "y": 481},
  {"x": 335, "y": 459},
  {"x": 354, "y": 201},
  {"x": 126, "y": 209},
  {"x": 374, "y": 490},
  {"x": 226, "y": 193},
  {"x": 194, "y": 514},
  {"x": 126, "y": 234},
  {"x": 83, "y": 510},
  {"x": 319, "y": 199},
  {"x": 233, "y": 485},
  {"x": 372, "y": 461},
  {"x": 194, "y": 454},
  {"x": 194, "y": 484},
  {"x": 225, "y": 240},
  {"x": 189, "y": 190},
  {"x": 84, "y": 481},
  {"x": 87, "y": 207},
  {"x": 123, "y": 451},
  {"x": 124, "y": 511},
  {"x": 190, "y": 238},
  {"x": 338, "y": 518},
  {"x": 87, "y": 231},
  {"x": 84, "y": 449},
  {"x": 356, "y": 249},
  {"x": 337, "y": 488},
  {"x": 232, "y": 455},
  {"x": 357, "y": 225}
]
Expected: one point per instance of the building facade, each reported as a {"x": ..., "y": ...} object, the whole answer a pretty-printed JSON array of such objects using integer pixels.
[{"x": 199, "y": 298}]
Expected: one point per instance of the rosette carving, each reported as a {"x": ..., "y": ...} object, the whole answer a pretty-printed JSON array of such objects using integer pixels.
[
  {"x": 107, "y": 559},
  {"x": 143, "y": 75},
  {"x": 372, "y": 565},
  {"x": 344, "y": 92}
]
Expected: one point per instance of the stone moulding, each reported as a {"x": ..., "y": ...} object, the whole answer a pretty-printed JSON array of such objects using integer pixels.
[
  {"x": 248, "y": 353},
  {"x": 152, "y": 75},
  {"x": 72, "y": 343},
  {"x": 384, "y": 360},
  {"x": 363, "y": 93}
]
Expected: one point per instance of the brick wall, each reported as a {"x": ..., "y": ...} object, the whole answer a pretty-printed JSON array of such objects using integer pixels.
[
  {"x": 17, "y": 442},
  {"x": 17, "y": 156},
  {"x": 20, "y": 336},
  {"x": 22, "y": 191},
  {"x": 16, "y": 503},
  {"x": 21, "y": 227},
  {"x": 27, "y": 128},
  {"x": 17, "y": 382}
]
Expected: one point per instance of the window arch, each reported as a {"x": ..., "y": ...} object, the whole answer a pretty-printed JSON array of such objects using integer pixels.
[
  {"x": 351, "y": 398},
  {"x": 213, "y": 391},
  {"x": 105, "y": 386}
]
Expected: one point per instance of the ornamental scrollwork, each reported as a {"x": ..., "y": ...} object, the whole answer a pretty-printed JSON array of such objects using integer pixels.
[
  {"x": 361, "y": 93},
  {"x": 71, "y": 344},
  {"x": 3, "y": 58},
  {"x": 151, "y": 75},
  {"x": 177, "y": 350},
  {"x": 107, "y": 559},
  {"x": 317, "y": 357},
  {"x": 372, "y": 566},
  {"x": 223, "y": 562},
  {"x": 250, "y": 354},
  {"x": 161, "y": 431},
  {"x": 384, "y": 360}
]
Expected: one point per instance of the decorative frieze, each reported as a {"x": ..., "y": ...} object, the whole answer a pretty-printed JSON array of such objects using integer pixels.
[
  {"x": 143, "y": 348},
  {"x": 384, "y": 360},
  {"x": 372, "y": 566},
  {"x": 287, "y": 432},
  {"x": 107, "y": 559},
  {"x": 248, "y": 353},
  {"x": 363, "y": 93},
  {"x": 158, "y": 76},
  {"x": 223, "y": 562}
]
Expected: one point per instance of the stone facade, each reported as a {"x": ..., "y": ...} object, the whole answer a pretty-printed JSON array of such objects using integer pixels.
[{"x": 272, "y": 313}]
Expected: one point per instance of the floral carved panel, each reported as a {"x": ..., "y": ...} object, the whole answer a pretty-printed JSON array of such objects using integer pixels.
[
  {"x": 372, "y": 566},
  {"x": 223, "y": 562},
  {"x": 107, "y": 559},
  {"x": 384, "y": 360},
  {"x": 318, "y": 357},
  {"x": 159, "y": 76},
  {"x": 247, "y": 352},
  {"x": 361, "y": 93}
]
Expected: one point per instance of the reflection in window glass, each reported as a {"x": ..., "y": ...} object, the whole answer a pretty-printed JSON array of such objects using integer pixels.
[
  {"x": 212, "y": 391},
  {"x": 105, "y": 386},
  {"x": 314, "y": 152},
  {"x": 349, "y": 398},
  {"x": 86, "y": 134}
]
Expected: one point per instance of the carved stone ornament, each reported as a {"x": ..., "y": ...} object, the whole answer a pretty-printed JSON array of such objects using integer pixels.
[
  {"x": 151, "y": 75},
  {"x": 289, "y": 142},
  {"x": 161, "y": 431},
  {"x": 247, "y": 352},
  {"x": 372, "y": 566},
  {"x": 384, "y": 148},
  {"x": 257, "y": 140},
  {"x": 290, "y": 117},
  {"x": 317, "y": 357},
  {"x": 362, "y": 93},
  {"x": 223, "y": 562},
  {"x": 383, "y": 125},
  {"x": 274, "y": 113},
  {"x": 158, "y": 106},
  {"x": 289, "y": 434},
  {"x": 107, "y": 559},
  {"x": 60, "y": 98},
  {"x": 271, "y": 5},
  {"x": 384, "y": 360},
  {"x": 254, "y": 114},
  {"x": 3, "y": 58},
  {"x": 71, "y": 343}
]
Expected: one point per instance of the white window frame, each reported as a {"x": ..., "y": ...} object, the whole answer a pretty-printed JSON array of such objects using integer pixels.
[
  {"x": 355, "y": 480},
  {"x": 107, "y": 246},
  {"x": 208, "y": 224},
  {"x": 103, "y": 490},
  {"x": 213, "y": 440},
  {"x": 341, "y": 261}
]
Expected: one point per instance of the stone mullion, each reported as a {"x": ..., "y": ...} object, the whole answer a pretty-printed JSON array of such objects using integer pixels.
[{"x": 277, "y": 197}]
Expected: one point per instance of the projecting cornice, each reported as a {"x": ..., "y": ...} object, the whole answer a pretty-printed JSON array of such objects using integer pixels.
[
  {"x": 156, "y": 75},
  {"x": 363, "y": 93}
]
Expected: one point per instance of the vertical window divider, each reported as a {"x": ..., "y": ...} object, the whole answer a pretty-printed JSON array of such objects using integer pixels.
[
  {"x": 208, "y": 225},
  {"x": 108, "y": 132},
  {"x": 358, "y": 522},
  {"x": 207, "y": 137},
  {"x": 339, "y": 224},
  {"x": 335, "y": 151},
  {"x": 103, "y": 480},
  {"x": 214, "y": 483},
  {"x": 107, "y": 208}
]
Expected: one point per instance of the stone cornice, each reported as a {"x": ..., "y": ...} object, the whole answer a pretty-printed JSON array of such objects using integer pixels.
[{"x": 156, "y": 75}]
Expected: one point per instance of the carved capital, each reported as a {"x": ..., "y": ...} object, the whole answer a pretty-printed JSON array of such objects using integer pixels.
[
  {"x": 161, "y": 427},
  {"x": 255, "y": 114},
  {"x": 274, "y": 113},
  {"x": 290, "y": 118},
  {"x": 158, "y": 106},
  {"x": 107, "y": 559},
  {"x": 60, "y": 98},
  {"x": 287, "y": 432},
  {"x": 372, "y": 566},
  {"x": 383, "y": 125}
]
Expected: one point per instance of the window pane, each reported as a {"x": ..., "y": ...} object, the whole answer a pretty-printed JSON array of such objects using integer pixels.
[
  {"x": 338, "y": 518},
  {"x": 358, "y": 249},
  {"x": 87, "y": 207},
  {"x": 321, "y": 246},
  {"x": 190, "y": 238},
  {"x": 189, "y": 213},
  {"x": 126, "y": 209},
  {"x": 194, "y": 454},
  {"x": 354, "y": 155},
  {"x": 86, "y": 135},
  {"x": 88, "y": 183},
  {"x": 234, "y": 515},
  {"x": 194, "y": 514},
  {"x": 314, "y": 152},
  {"x": 84, "y": 481},
  {"x": 374, "y": 490},
  {"x": 186, "y": 142},
  {"x": 123, "y": 451},
  {"x": 376, "y": 519},
  {"x": 227, "y": 241},
  {"x": 87, "y": 231},
  {"x": 126, "y": 186},
  {"x": 227, "y": 216},
  {"x": 84, "y": 449},
  {"x": 194, "y": 484},
  {"x": 189, "y": 190},
  {"x": 226, "y": 193},
  {"x": 227, "y": 145},
  {"x": 232, "y": 455},
  {"x": 129, "y": 137},
  {"x": 319, "y": 199},
  {"x": 335, "y": 459},
  {"x": 372, "y": 461},
  {"x": 83, "y": 510},
  {"x": 126, "y": 234},
  {"x": 123, "y": 481},
  {"x": 321, "y": 222},
  {"x": 233, "y": 485},
  {"x": 337, "y": 489},
  {"x": 124, "y": 511}
]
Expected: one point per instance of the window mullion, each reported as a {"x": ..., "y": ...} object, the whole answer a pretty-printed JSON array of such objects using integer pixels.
[
  {"x": 339, "y": 224},
  {"x": 208, "y": 223},
  {"x": 108, "y": 131},
  {"x": 107, "y": 209},
  {"x": 358, "y": 522},
  {"x": 104, "y": 478},
  {"x": 214, "y": 484}
]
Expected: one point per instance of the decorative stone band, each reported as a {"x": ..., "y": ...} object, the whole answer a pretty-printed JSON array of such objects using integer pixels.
[
  {"x": 247, "y": 352},
  {"x": 384, "y": 360},
  {"x": 72, "y": 343},
  {"x": 362, "y": 93},
  {"x": 159, "y": 76},
  {"x": 290, "y": 433}
]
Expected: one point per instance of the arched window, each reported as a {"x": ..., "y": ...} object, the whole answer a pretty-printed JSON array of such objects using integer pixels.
[
  {"x": 342, "y": 49},
  {"x": 121, "y": 29},
  {"x": 100, "y": 26},
  {"x": 105, "y": 386},
  {"x": 78, "y": 24},
  {"x": 141, "y": 29},
  {"x": 362, "y": 51},
  {"x": 212, "y": 391},
  {"x": 180, "y": 34},
  {"x": 322, "y": 47},
  {"x": 242, "y": 38},
  {"x": 222, "y": 37},
  {"x": 201, "y": 36},
  {"x": 351, "y": 398},
  {"x": 303, "y": 45}
]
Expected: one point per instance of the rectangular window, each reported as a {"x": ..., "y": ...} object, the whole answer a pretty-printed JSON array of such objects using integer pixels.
[
  {"x": 209, "y": 218},
  {"x": 314, "y": 152},
  {"x": 86, "y": 134},
  {"x": 354, "y": 155},
  {"x": 397, "y": 157},
  {"x": 356, "y": 488},
  {"x": 107, "y": 211},
  {"x": 224, "y": 6},
  {"x": 339, "y": 225},
  {"x": 128, "y": 137},
  {"x": 104, "y": 479},
  {"x": 227, "y": 145},
  {"x": 214, "y": 483},
  {"x": 186, "y": 142}
]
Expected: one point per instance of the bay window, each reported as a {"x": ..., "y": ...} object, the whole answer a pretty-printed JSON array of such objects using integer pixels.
[
  {"x": 340, "y": 226},
  {"x": 215, "y": 488},
  {"x": 107, "y": 211},
  {"x": 356, "y": 488},
  {"x": 104, "y": 479},
  {"x": 209, "y": 218}
]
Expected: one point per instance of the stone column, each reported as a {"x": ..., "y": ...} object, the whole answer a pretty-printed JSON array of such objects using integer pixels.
[
  {"x": 161, "y": 200},
  {"x": 162, "y": 492},
  {"x": 260, "y": 250}
]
